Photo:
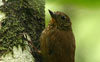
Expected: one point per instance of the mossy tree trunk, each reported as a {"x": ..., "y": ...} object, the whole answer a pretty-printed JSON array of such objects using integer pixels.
[{"x": 23, "y": 19}]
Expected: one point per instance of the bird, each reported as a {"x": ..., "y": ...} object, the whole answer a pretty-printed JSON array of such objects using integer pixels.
[{"x": 57, "y": 41}]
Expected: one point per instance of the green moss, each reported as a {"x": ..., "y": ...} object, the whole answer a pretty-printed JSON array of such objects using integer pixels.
[{"x": 21, "y": 17}]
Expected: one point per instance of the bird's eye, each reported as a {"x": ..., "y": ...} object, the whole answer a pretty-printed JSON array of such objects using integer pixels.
[{"x": 63, "y": 17}]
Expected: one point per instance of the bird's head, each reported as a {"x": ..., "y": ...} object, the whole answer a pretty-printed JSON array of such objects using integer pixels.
[{"x": 60, "y": 19}]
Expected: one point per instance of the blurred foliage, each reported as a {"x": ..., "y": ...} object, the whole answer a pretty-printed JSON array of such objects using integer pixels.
[
  {"x": 91, "y": 3},
  {"x": 85, "y": 17}
]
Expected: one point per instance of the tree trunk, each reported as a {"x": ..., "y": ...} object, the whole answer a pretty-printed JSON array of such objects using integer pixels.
[{"x": 22, "y": 19}]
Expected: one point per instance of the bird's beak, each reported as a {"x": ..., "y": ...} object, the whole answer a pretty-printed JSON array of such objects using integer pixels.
[{"x": 52, "y": 14}]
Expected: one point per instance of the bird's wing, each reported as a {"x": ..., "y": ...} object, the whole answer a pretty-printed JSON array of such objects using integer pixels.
[{"x": 60, "y": 42}]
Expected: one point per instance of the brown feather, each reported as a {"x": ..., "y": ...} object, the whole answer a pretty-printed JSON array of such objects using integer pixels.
[{"x": 57, "y": 45}]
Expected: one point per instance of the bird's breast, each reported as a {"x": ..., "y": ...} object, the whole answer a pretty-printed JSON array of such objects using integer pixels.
[{"x": 58, "y": 45}]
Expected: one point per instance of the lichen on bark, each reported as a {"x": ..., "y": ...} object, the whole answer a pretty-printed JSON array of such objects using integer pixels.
[{"x": 22, "y": 16}]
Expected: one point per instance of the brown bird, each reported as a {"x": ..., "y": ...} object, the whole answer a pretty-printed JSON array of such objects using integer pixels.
[{"x": 57, "y": 42}]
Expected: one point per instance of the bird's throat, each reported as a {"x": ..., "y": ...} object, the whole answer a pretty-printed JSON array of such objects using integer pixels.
[{"x": 65, "y": 28}]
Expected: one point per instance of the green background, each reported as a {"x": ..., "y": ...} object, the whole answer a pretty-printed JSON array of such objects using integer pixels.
[{"x": 85, "y": 17}]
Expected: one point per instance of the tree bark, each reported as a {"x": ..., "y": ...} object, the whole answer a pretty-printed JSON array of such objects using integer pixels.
[{"x": 23, "y": 19}]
